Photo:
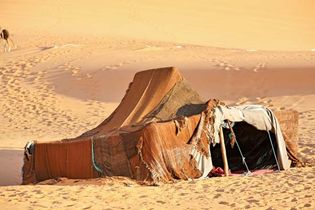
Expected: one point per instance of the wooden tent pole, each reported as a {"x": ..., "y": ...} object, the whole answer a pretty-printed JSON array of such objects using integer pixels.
[{"x": 223, "y": 152}]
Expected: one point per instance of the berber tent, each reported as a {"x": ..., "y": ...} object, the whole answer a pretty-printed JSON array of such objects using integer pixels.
[{"x": 162, "y": 131}]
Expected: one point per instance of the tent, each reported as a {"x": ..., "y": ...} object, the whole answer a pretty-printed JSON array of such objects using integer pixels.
[{"x": 161, "y": 131}]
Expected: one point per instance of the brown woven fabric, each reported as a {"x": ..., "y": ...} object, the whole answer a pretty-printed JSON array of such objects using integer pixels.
[
  {"x": 289, "y": 120},
  {"x": 28, "y": 169},
  {"x": 63, "y": 159},
  {"x": 137, "y": 140},
  {"x": 144, "y": 94},
  {"x": 166, "y": 154},
  {"x": 155, "y": 152}
]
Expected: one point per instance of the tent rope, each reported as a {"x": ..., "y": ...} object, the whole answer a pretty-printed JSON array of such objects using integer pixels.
[
  {"x": 239, "y": 149},
  {"x": 273, "y": 150},
  {"x": 243, "y": 158},
  {"x": 98, "y": 169}
]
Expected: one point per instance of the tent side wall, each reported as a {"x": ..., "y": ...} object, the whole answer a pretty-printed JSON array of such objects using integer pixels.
[
  {"x": 289, "y": 122},
  {"x": 166, "y": 148},
  {"x": 59, "y": 159},
  {"x": 158, "y": 151}
]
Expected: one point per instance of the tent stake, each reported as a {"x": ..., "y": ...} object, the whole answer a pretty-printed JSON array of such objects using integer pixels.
[{"x": 223, "y": 152}]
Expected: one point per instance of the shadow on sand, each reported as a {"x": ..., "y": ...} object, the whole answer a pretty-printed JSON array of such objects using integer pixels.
[{"x": 11, "y": 162}]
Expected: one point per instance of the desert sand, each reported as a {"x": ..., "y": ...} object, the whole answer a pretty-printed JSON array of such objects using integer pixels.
[{"x": 71, "y": 68}]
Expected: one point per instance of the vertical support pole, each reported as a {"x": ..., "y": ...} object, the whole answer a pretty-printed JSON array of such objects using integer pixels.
[{"x": 223, "y": 152}]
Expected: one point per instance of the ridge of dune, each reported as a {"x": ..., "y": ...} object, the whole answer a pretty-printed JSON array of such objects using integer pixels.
[
  {"x": 50, "y": 93},
  {"x": 73, "y": 64},
  {"x": 247, "y": 24}
]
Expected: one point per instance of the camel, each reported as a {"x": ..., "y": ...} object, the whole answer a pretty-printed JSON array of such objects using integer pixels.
[{"x": 4, "y": 35}]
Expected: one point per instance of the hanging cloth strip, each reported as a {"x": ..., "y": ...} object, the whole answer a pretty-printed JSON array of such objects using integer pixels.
[{"x": 97, "y": 168}]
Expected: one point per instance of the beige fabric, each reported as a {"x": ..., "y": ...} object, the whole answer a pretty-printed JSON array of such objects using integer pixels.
[{"x": 204, "y": 163}]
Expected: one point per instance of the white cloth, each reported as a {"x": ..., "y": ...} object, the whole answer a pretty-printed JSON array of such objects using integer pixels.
[
  {"x": 260, "y": 117},
  {"x": 204, "y": 164}
]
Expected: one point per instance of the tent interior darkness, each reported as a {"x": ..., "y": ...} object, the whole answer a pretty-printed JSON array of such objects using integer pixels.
[{"x": 254, "y": 144}]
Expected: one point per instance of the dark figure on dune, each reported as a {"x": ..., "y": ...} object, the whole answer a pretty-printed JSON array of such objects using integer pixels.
[{"x": 4, "y": 35}]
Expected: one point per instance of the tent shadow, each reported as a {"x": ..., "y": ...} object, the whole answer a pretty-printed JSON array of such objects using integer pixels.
[
  {"x": 191, "y": 109},
  {"x": 11, "y": 161}
]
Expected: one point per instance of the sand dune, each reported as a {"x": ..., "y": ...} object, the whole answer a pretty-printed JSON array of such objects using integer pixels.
[
  {"x": 284, "y": 190},
  {"x": 73, "y": 64},
  {"x": 247, "y": 24},
  {"x": 48, "y": 91},
  {"x": 58, "y": 90}
]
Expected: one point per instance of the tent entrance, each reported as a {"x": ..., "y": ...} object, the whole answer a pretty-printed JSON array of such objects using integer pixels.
[{"x": 255, "y": 146}]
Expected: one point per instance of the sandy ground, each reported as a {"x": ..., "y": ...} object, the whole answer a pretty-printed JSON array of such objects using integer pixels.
[
  {"x": 68, "y": 74},
  {"x": 58, "y": 90},
  {"x": 292, "y": 189}
]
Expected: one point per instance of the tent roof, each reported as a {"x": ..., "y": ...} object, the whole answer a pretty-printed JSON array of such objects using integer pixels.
[{"x": 156, "y": 94}]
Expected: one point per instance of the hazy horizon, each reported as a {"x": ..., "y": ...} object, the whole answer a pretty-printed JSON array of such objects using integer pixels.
[{"x": 265, "y": 25}]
